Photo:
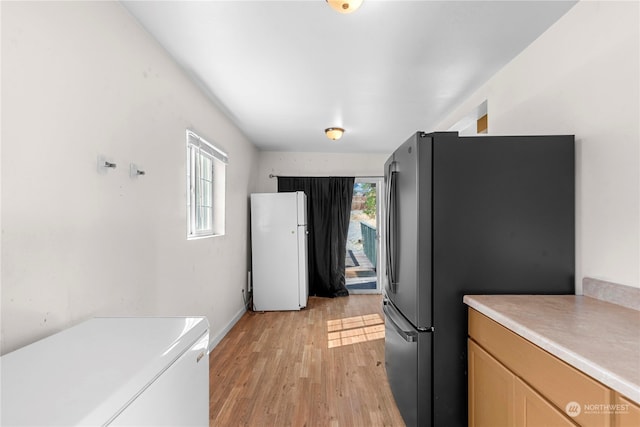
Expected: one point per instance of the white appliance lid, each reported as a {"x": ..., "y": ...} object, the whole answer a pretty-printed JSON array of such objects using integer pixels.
[{"x": 88, "y": 373}]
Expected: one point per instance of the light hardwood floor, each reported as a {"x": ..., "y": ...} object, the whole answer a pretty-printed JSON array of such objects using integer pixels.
[{"x": 322, "y": 366}]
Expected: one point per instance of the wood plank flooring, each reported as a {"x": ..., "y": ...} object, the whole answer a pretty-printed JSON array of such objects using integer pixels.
[{"x": 322, "y": 366}]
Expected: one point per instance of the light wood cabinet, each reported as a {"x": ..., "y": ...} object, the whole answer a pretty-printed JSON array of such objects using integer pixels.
[
  {"x": 499, "y": 398},
  {"x": 491, "y": 390},
  {"x": 513, "y": 382},
  {"x": 627, "y": 413},
  {"x": 533, "y": 410}
]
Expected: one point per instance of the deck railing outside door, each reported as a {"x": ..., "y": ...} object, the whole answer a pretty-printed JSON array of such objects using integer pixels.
[{"x": 369, "y": 242}]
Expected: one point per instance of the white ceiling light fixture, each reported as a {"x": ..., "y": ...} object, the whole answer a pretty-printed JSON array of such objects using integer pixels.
[
  {"x": 345, "y": 6},
  {"x": 334, "y": 133}
]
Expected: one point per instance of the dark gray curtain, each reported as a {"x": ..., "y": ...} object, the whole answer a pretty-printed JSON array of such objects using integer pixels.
[{"x": 328, "y": 213}]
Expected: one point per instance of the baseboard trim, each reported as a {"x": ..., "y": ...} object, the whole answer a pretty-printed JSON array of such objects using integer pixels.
[{"x": 213, "y": 342}]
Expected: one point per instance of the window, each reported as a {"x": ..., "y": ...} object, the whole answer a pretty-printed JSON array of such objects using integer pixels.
[{"x": 206, "y": 170}]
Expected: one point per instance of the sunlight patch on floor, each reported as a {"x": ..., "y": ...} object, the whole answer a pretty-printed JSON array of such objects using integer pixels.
[{"x": 352, "y": 330}]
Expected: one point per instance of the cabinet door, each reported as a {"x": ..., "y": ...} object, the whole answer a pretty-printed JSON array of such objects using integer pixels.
[
  {"x": 491, "y": 390},
  {"x": 532, "y": 410},
  {"x": 627, "y": 413}
]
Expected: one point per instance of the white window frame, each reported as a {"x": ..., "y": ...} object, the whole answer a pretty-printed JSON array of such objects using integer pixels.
[{"x": 205, "y": 191}]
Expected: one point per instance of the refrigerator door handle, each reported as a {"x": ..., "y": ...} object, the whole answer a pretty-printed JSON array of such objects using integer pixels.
[
  {"x": 387, "y": 239},
  {"x": 408, "y": 336},
  {"x": 391, "y": 219}
]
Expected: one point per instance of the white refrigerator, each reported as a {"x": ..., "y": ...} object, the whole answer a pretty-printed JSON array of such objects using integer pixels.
[
  {"x": 279, "y": 251},
  {"x": 142, "y": 371}
]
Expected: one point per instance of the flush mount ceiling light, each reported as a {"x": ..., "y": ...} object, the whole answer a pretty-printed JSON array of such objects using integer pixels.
[
  {"x": 345, "y": 6},
  {"x": 334, "y": 133}
]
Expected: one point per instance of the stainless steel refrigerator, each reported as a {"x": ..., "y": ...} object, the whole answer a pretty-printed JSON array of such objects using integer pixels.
[{"x": 467, "y": 215}]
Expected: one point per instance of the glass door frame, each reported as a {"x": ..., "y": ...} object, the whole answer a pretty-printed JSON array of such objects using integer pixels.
[{"x": 380, "y": 256}]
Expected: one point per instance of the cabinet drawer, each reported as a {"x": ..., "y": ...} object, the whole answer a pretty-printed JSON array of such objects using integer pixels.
[{"x": 560, "y": 383}]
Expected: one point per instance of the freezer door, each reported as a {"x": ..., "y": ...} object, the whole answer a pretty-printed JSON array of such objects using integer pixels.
[
  {"x": 301, "y": 201},
  {"x": 408, "y": 366},
  {"x": 178, "y": 397}
]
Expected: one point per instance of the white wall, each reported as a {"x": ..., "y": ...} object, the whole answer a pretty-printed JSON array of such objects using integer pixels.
[
  {"x": 582, "y": 77},
  {"x": 81, "y": 79},
  {"x": 316, "y": 164}
]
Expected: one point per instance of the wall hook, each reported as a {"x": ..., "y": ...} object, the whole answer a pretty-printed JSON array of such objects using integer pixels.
[
  {"x": 134, "y": 171},
  {"x": 104, "y": 164}
]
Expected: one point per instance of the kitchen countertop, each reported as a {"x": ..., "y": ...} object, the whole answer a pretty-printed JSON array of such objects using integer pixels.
[{"x": 596, "y": 337}]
